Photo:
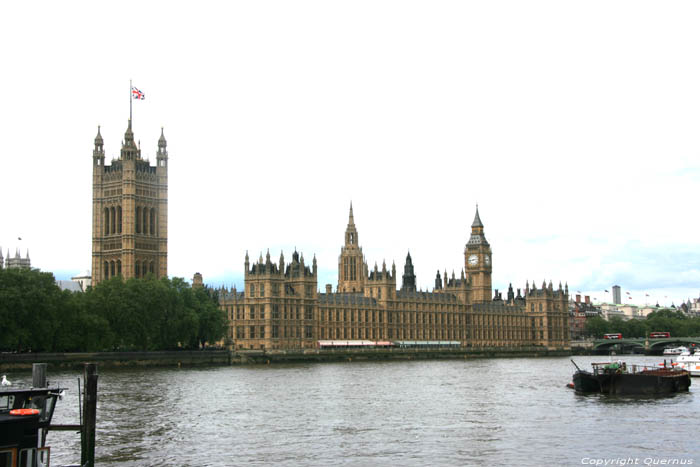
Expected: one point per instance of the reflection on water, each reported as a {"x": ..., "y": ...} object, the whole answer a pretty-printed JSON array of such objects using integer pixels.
[{"x": 477, "y": 412}]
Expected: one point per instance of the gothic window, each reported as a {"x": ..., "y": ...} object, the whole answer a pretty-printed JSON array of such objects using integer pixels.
[
  {"x": 252, "y": 332},
  {"x": 119, "y": 267},
  {"x": 137, "y": 269},
  {"x": 308, "y": 332},
  {"x": 145, "y": 221},
  {"x": 106, "y": 226},
  {"x": 138, "y": 220},
  {"x": 262, "y": 290},
  {"x": 106, "y": 270},
  {"x": 252, "y": 290},
  {"x": 112, "y": 268},
  {"x": 275, "y": 332},
  {"x": 252, "y": 312},
  {"x": 308, "y": 313},
  {"x": 119, "y": 219},
  {"x": 262, "y": 312},
  {"x": 152, "y": 268},
  {"x": 113, "y": 218},
  {"x": 262, "y": 332},
  {"x": 153, "y": 221}
]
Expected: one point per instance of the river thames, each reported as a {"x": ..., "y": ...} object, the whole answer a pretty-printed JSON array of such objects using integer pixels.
[{"x": 453, "y": 412}]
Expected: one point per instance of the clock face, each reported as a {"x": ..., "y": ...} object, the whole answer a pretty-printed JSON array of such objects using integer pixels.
[
  {"x": 487, "y": 260},
  {"x": 473, "y": 260}
]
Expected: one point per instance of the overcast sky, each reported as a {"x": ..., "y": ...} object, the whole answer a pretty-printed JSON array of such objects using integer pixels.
[{"x": 573, "y": 125}]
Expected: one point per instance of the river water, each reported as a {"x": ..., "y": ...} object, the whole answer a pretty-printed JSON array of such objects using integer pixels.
[{"x": 463, "y": 412}]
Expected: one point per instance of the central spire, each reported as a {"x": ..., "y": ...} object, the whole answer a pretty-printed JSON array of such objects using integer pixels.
[
  {"x": 351, "y": 231},
  {"x": 477, "y": 219}
]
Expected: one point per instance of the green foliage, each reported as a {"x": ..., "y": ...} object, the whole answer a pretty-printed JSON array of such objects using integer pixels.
[
  {"x": 664, "y": 320},
  {"x": 137, "y": 314},
  {"x": 596, "y": 327}
]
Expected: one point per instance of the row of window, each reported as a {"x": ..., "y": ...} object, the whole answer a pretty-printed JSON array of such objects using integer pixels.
[
  {"x": 350, "y": 268},
  {"x": 146, "y": 220},
  {"x": 275, "y": 290},
  {"x": 141, "y": 268},
  {"x": 297, "y": 332},
  {"x": 284, "y": 332}
]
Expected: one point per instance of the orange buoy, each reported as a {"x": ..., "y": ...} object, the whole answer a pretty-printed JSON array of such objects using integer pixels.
[{"x": 24, "y": 412}]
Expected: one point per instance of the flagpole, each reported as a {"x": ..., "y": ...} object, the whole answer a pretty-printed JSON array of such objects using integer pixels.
[{"x": 130, "y": 86}]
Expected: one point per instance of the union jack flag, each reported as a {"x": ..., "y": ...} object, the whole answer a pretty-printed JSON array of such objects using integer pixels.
[{"x": 136, "y": 94}]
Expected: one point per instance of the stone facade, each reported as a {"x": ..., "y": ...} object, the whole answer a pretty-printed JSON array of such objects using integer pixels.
[
  {"x": 16, "y": 262},
  {"x": 129, "y": 212},
  {"x": 281, "y": 307}
]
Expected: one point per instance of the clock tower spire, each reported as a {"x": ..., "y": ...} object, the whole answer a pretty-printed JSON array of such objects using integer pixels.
[{"x": 477, "y": 262}]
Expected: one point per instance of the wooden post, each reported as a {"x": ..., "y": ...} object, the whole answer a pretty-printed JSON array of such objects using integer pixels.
[
  {"x": 39, "y": 375},
  {"x": 87, "y": 433},
  {"x": 39, "y": 381}
]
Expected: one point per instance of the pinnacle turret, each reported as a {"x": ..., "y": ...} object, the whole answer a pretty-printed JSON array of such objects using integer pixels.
[
  {"x": 477, "y": 219},
  {"x": 162, "y": 146}
]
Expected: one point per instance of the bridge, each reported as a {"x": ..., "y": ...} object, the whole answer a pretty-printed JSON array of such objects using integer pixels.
[{"x": 646, "y": 344}]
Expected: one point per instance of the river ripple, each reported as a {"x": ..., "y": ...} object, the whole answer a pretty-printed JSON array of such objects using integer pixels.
[{"x": 474, "y": 412}]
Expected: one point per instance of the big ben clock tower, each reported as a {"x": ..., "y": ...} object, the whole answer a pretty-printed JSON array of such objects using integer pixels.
[{"x": 477, "y": 262}]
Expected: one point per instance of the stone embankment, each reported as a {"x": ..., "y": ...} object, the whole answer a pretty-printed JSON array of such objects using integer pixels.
[{"x": 19, "y": 361}]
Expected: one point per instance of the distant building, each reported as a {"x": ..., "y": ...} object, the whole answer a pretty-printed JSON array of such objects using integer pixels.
[
  {"x": 197, "y": 281},
  {"x": 579, "y": 313},
  {"x": 85, "y": 280},
  {"x": 17, "y": 261},
  {"x": 69, "y": 285},
  {"x": 617, "y": 295},
  {"x": 694, "y": 307}
]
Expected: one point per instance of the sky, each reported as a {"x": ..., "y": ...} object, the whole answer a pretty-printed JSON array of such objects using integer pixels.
[{"x": 572, "y": 125}]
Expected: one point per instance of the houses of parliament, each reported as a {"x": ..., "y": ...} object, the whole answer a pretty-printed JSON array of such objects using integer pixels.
[{"x": 281, "y": 306}]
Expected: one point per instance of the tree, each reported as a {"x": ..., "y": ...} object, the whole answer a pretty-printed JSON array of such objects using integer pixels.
[
  {"x": 29, "y": 303},
  {"x": 596, "y": 327}
]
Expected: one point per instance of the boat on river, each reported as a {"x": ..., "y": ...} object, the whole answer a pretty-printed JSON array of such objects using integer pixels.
[
  {"x": 622, "y": 379},
  {"x": 675, "y": 350},
  {"x": 25, "y": 416},
  {"x": 689, "y": 362}
]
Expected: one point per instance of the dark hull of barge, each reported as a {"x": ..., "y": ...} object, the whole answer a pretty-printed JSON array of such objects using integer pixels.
[{"x": 651, "y": 382}]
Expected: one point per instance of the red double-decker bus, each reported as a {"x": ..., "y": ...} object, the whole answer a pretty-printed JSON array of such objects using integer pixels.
[
  {"x": 613, "y": 336},
  {"x": 659, "y": 335}
]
